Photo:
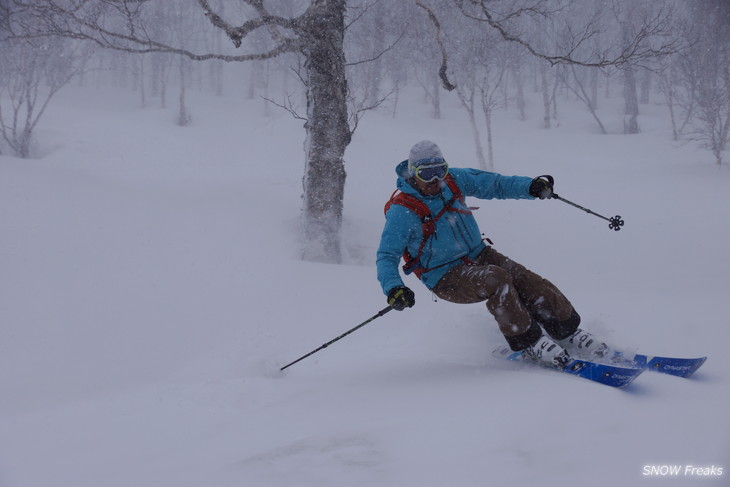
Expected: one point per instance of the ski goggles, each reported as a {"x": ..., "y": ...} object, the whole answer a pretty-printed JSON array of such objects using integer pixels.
[{"x": 436, "y": 169}]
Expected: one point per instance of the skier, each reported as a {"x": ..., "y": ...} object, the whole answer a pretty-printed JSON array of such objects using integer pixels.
[{"x": 429, "y": 224}]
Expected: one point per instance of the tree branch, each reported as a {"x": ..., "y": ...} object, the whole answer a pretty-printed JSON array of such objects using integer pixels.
[
  {"x": 288, "y": 106},
  {"x": 380, "y": 54},
  {"x": 51, "y": 20},
  {"x": 444, "y": 58},
  {"x": 264, "y": 19},
  {"x": 636, "y": 48}
]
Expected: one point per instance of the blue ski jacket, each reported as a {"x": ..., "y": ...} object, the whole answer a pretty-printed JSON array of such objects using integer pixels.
[{"x": 457, "y": 234}]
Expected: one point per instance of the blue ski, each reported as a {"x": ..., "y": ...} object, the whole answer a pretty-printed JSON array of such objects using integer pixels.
[
  {"x": 610, "y": 375},
  {"x": 680, "y": 367}
]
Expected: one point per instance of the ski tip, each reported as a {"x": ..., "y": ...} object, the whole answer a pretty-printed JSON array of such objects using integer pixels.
[{"x": 678, "y": 367}]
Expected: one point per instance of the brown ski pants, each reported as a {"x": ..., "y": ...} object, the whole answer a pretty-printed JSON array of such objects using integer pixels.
[{"x": 516, "y": 296}]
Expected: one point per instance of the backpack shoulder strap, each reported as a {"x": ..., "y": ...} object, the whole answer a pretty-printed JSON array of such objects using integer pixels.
[
  {"x": 428, "y": 227},
  {"x": 457, "y": 196},
  {"x": 409, "y": 201},
  {"x": 455, "y": 189}
]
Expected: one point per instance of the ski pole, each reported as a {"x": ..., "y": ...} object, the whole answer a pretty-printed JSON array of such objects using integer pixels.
[
  {"x": 380, "y": 313},
  {"x": 614, "y": 223}
]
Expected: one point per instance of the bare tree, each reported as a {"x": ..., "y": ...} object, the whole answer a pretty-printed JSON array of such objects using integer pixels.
[
  {"x": 510, "y": 18},
  {"x": 373, "y": 32},
  {"x": 629, "y": 20},
  {"x": 577, "y": 85},
  {"x": 489, "y": 89},
  {"x": 680, "y": 103},
  {"x": 705, "y": 76},
  {"x": 517, "y": 76},
  {"x": 466, "y": 50},
  {"x": 572, "y": 33},
  {"x": 467, "y": 91},
  {"x": 316, "y": 33},
  {"x": 483, "y": 62},
  {"x": 32, "y": 71}
]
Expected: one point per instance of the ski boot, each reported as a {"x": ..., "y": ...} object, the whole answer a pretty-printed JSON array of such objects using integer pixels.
[
  {"x": 548, "y": 352},
  {"x": 585, "y": 345}
]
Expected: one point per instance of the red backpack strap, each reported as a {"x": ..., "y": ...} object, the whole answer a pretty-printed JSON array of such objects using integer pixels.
[
  {"x": 409, "y": 201},
  {"x": 389, "y": 203},
  {"x": 457, "y": 196},
  {"x": 428, "y": 227},
  {"x": 419, "y": 207},
  {"x": 428, "y": 224},
  {"x": 455, "y": 189}
]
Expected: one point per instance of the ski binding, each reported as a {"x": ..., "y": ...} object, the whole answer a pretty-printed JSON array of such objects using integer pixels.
[{"x": 618, "y": 376}]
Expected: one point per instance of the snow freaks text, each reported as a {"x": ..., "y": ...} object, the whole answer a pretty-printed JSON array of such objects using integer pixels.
[{"x": 682, "y": 471}]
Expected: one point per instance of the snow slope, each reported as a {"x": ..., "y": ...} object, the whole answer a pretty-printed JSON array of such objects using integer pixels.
[{"x": 150, "y": 289}]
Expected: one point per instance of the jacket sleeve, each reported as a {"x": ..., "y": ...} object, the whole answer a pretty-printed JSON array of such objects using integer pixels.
[
  {"x": 400, "y": 227},
  {"x": 490, "y": 185}
]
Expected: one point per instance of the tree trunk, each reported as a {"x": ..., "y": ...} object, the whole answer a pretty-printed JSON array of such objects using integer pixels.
[
  {"x": 467, "y": 101},
  {"x": 140, "y": 82},
  {"x": 327, "y": 130},
  {"x": 666, "y": 84},
  {"x": 477, "y": 140},
  {"x": 545, "y": 97},
  {"x": 183, "y": 117},
  {"x": 645, "y": 86},
  {"x": 24, "y": 144},
  {"x": 520, "y": 87},
  {"x": 594, "y": 88},
  {"x": 490, "y": 139},
  {"x": 375, "y": 69},
  {"x": 631, "y": 99},
  {"x": 436, "y": 99}
]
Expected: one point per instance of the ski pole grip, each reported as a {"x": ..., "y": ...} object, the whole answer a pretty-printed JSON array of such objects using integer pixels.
[{"x": 550, "y": 179}]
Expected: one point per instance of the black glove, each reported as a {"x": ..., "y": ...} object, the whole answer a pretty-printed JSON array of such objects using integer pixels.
[
  {"x": 400, "y": 298},
  {"x": 542, "y": 187}
]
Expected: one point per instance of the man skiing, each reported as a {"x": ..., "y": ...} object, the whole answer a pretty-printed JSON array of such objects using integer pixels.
[{"x": 430, "y": 226}]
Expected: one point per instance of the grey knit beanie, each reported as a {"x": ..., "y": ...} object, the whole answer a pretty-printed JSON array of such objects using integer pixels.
[{"x": 423, "y": 153}]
